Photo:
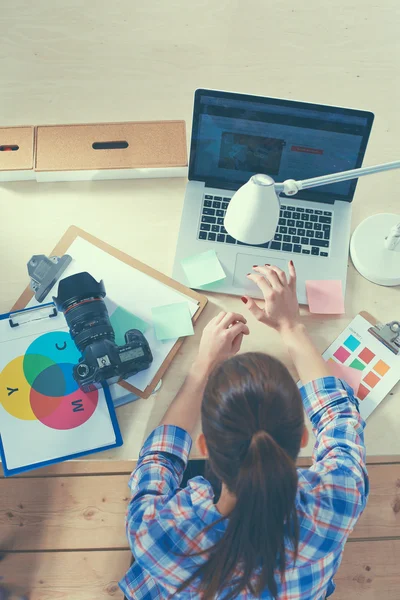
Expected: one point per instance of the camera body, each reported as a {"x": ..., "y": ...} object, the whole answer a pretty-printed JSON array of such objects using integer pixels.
[
  {"x": 105, "y": 361},
  {"x": 81, "y": 299}
]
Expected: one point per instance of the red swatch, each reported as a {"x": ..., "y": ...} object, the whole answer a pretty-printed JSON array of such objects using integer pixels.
[
  {"x": 366, "y": 355},
  {"x": 371, "y": 379},
  {"x": 362, "y": 392}
]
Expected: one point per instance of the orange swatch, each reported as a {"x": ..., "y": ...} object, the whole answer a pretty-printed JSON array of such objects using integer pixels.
[
  {"x": 371, "y": 379},
  {"x": 381, "y": 367}
]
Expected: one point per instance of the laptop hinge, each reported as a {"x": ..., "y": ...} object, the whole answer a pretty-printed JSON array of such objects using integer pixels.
[
  {"x": 235, "y": 186},
  {"x": 226, "y": 185}
]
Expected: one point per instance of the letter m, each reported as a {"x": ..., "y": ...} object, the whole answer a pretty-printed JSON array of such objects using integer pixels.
[{"x": 78, "y": 406}]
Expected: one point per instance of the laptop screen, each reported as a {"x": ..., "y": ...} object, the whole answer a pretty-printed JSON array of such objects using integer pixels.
[{"x": 235, "y": 136}]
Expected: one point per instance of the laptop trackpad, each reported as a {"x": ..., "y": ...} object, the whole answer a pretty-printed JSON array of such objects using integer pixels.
[{"x": 244, "y": 265}]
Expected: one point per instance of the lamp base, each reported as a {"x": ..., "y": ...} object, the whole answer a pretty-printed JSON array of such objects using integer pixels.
[{"x": 368, "y": 252}]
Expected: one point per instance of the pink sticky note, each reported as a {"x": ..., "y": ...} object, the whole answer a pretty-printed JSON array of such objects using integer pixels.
[
  {"x": 350, "y": 375},
  {"x": 325, "y": 297}
]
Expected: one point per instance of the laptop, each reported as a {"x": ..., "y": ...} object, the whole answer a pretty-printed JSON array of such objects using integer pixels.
[{"x": 235, "y": 136}]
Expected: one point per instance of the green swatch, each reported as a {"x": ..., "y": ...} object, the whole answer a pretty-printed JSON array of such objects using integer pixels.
[
  {"x": 356, "y": 364},
  {"x": 172, "y": 321},
  {"x": 122, "y": 320},
  {"x": 203, "y": 269}
]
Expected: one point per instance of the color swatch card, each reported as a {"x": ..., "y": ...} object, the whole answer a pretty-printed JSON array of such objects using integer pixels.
[
  {"x": 365, "y": 363},
  {"x": 44, "y": 415}
]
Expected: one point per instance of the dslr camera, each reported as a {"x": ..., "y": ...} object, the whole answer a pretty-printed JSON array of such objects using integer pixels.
[{"x": 81, "y": 299}]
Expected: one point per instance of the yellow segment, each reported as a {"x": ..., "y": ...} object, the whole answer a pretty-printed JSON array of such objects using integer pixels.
[{"x": 15, "y": 391}]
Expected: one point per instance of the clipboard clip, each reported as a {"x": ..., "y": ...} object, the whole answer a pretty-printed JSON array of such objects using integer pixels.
[
  {"x": 37, "y": 313},
  {"x": 388, "y": 334}
]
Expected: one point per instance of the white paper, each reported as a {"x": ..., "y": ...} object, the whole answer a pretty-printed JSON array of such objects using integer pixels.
[
  {"x": 28, "y": 442},
  {"x": 133, "y": 290}
]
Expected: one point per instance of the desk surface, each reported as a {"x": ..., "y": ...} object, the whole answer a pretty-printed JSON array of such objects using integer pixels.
[{"x": 113, "y": 64}]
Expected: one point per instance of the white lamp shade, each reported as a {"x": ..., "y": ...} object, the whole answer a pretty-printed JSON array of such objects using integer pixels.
[{"x": 253, "y": 212}]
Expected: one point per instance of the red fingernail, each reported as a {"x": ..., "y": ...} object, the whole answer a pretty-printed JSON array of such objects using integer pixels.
[
  {"x": 254, "y": 266},
  {"x": 248, "y": 274},
  {"x": 244, "y": 300},
  {"x": 291, "y": 263},
  {"x": 267, "y": 265}
]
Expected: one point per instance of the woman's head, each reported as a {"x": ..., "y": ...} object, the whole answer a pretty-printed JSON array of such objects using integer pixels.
[{"x": 253, "y": 426}]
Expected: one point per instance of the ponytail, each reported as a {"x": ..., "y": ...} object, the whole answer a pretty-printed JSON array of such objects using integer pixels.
[
  {"x": 265, "y": 512},
  {"x": 253, "y": 421}
]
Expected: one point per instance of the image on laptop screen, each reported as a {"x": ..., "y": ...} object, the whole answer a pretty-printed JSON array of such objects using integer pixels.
[{"x": 235, "y": 136}]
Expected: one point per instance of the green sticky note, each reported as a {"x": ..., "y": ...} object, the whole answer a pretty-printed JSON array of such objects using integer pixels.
[
  {"x": 122, "y": 320},
  {"x": 202, "y": 269},
  {"x": 356, "y": 364},
  {"x": 172, "y": 321}
]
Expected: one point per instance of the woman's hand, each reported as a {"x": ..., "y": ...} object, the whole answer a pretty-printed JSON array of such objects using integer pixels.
[
  {"x": 221, "y": 339},
  {"x": 281, "y": 309}
]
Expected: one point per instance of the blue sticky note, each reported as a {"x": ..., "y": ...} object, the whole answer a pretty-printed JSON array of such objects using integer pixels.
[
  {"x": 172, "y": 321},
  {"x": 203, "y": 269},
  {"x": 351, "y": 343},
  {"x": 122, "y": 320}
]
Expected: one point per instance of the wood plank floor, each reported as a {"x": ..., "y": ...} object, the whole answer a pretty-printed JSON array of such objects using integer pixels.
[{"x": 62, "y": 534}]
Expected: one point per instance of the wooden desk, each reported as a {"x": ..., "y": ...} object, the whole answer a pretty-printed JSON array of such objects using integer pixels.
[
  {"x": 148, "y": 206},
  {"x": 142, "y": 77}
]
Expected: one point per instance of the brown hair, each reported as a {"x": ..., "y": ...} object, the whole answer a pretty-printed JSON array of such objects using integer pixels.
[{"x": 253, "y": 421}]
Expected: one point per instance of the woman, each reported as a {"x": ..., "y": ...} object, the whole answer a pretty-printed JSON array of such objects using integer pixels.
[{"x": 275, "y": 531}]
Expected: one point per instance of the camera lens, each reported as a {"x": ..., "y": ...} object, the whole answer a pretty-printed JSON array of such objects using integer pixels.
[{"x": 80, "y": 298}]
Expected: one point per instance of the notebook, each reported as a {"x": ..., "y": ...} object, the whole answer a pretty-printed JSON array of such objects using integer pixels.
[{"x": 44, "y": 416}]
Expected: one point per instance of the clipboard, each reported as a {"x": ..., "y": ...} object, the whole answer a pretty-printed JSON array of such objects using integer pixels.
[
  {"x": 63, "y": 246},
  {"x": 368, "y": 351},
  {"x": 388, "y": 334},
  {"x": 38, "y": 319}
]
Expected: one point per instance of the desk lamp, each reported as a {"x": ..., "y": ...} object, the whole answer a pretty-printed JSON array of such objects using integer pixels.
[{"x": 253, "y": 213}]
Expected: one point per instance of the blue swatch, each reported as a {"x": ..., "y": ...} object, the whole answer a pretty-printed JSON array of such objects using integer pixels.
[{"x": 352, "y": 343}]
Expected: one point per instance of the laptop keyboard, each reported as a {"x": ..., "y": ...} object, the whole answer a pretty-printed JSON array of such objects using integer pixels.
[{"x": 300, "y": 230}]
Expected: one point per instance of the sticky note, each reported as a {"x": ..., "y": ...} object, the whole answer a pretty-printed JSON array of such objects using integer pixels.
[
  {"x": 351, "y": 343},
  {"x": 350, "y": 376},
  {"x": 202, "y": 269},
  {"x": 172, "y": 321},
  {"x": 366, "y": 355},
  {"x": 122, "y": 320},
  {"x": 381, "y": 367},
  {"x": 342, "y": 354},
  {"x": 325, "y": 297}
]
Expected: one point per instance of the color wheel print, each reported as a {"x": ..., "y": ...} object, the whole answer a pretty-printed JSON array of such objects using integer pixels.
[{"x": 40, "y": 386}]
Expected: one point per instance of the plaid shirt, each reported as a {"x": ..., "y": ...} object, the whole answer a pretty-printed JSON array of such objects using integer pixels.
[{"x": 165, "y": 523}]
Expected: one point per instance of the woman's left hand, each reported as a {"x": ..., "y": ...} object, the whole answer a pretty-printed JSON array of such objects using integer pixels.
[{"x": 221, "y": 339}]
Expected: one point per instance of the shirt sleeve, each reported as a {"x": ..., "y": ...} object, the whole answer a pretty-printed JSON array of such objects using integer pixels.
[
  {"x": 336, "y": 486},
  {"x": 158, "y": 474}
]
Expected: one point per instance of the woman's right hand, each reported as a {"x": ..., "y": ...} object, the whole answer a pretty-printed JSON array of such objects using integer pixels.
[{"x": 281, "y": 308}]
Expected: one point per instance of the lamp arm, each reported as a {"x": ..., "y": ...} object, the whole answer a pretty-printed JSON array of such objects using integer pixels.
[{"x": 290, "y": 187}]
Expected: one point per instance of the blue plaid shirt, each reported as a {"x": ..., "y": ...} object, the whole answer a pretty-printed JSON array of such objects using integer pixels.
[{"x": 165, "y": 523}]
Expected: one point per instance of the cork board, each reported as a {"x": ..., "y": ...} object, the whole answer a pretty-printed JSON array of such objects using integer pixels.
[
  {"x": 146, "y": 144},
  {"x": 22, "y": 158}
]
